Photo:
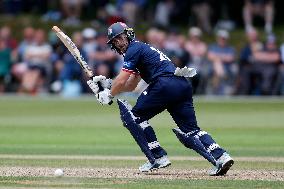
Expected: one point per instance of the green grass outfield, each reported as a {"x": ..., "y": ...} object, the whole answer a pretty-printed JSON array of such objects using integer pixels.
[{"x": 51, "y": 132}]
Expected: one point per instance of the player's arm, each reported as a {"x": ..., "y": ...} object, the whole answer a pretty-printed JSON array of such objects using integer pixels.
[
  {"x": 125, "y": 81},
  {"x": 132, "y": 83}
]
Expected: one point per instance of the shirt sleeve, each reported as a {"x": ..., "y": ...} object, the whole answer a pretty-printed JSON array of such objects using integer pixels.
[{"x": 130, "y": 61}]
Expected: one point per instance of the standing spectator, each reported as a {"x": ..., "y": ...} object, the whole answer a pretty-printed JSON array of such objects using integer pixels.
[
  {"x": 72, "y": 11},
  {"x": 246, "y": 60},
  {"x": 5, "y": 63},
  {"x": 264, "y": 8},
  {"x": 197, "y": 50},
  {"x": 222, "y": 57},
  {"x": 202, "y": 11},
  {"x": 37, "y": 57},
  {"x": 130, "y": 9},
  {"x": 265, "y": 67},
  {"x": 163, "y": 12}
]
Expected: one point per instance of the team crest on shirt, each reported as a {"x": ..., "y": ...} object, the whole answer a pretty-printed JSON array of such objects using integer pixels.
[{"x": 126, "y": 64}]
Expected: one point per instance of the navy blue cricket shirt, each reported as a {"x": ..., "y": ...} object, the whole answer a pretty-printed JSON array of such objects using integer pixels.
[{"x": 147, "y": 61}]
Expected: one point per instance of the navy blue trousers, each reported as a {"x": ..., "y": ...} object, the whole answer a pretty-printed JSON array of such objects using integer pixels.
[{"x": 173, "y": 94}]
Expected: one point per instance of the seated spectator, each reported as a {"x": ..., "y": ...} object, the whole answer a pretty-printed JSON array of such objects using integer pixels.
[
  {"x": 28, "y": 39},
  {"x": 11, "y": 42},
  {"x": 5, "y": 34},
  {"x": 253, "y": 45},
  {"x": 264, "y": 67},
  {"x": 197, "y": 50},
  {"x": 173, "y": 48},
  {"x": 156, "y": 38},
  {"x": 5, "y": 63},
  {"x": 264, "y": 8},
  {"x": 71, "y": 73},
  {"x": 89, "y": 42},
  {"x": 104, "y": 59},
  {"x": 202, "y": 10},
  {"x": 37, "y": 58},
  {"x": 222, "y": 57}
]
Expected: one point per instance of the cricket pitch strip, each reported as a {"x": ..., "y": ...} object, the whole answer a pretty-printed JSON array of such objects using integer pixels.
[{"x": 168, "y": 173}]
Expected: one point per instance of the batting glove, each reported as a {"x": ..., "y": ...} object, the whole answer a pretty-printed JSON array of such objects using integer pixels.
[
  {"x": 93, "y": 86},
  {"x": 104, "y": 97},
  {"x": 105, "y": 83}
]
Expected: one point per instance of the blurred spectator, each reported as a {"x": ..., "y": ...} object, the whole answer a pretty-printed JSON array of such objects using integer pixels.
[
  {"x": 163, "y": 12},
  {"x": 156, "y": 38},
  {"x": 104, "y": 59},
  {"x": 5, "y": 34},
  {"x": 264, "y": 69},
  {"x": 71, "y": 73},
  {"x": 72, "y": 11},
  {"x": 89, "y": 43},
  {"x": 28, "y": 39},
  {"x": 107, "y": 15},
  {"x": 5, "y": 63},
  {"x": 130, "y": 10},
  {"x": 281, "y": 76},
  {"x": 222, "y": 57},
  {"x": 174, "y": 48},
  {"x": 202, "y": 11},
  {"x": 246, "y": 60},
  {"x": 264, "y": 8},
  {"x": 197, "y": 50},
  {"x": 37, "y": 58},
  {"x": 19, "y": 68}
]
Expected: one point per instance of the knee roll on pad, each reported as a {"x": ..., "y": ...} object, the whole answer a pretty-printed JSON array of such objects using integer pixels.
[
  {"x": 136, "y": 131},
  {"x": 192, "y": 142},
  {"x": 128, "y": 106}
]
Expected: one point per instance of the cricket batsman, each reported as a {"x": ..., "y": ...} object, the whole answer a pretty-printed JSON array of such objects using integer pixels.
[{"x": 168, "y": 90}]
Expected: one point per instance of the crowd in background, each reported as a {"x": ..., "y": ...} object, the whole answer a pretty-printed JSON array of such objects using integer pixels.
[{"x": 39, "y": 63}]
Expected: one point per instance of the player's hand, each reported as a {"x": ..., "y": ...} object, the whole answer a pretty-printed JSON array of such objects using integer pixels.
[
  {"x": 93, "y": 86},
  {"x": 104, "y": 97},
  {"x": 105, "y": 83}
]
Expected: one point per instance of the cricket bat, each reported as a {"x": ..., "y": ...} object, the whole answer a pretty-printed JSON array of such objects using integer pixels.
[{"x": 73, "y": 50}]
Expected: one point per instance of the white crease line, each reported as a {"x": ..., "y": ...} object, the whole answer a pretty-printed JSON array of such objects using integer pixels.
[{"x": 103, "y": 157}]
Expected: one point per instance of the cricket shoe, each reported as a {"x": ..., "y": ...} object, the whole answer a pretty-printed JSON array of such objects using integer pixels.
[
  {"x": 223, "y": 164},
  {"x": 162, "y": 162}
]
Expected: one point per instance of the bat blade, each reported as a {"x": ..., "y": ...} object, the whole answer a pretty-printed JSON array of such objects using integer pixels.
[{"x": 73, "y": 50}]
